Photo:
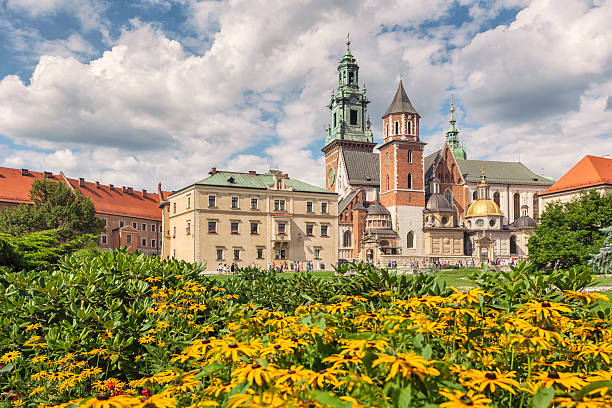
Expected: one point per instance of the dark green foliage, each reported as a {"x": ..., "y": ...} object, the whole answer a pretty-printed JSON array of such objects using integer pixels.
[
  {"x": 569, "y": 233},
  {"x": 55, "y": 206},
  {"x": 40, "y": 250}
]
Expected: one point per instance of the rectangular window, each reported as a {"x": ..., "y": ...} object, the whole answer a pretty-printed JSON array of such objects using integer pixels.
[
  {"x": 334, "y": 120},
  {"x": 324, "y": 208},
  {"x": 253, "y": 203},
  {"x": 153, "y": 243},
  {"x": 409, "y": 156},
  {"x": 219, "y": 254},
  {"x": 212, "y": 202},
  {"x": 281, "y": 228},
  {"x": 121, "y": 224},
  {"x": 143, "y": 227},
  {"x": 173, "y": 232},
  {"x": 152, "y": 227},
  {"x": 323, "y": 230},
  {"x": 144, "y": 242},
  {"x": 259, "y": 253},
  {"x": 279, "y": 254},
  {"x": 189, "y": 201},
  {"x": 309, "y": 206},
  {"x": 234, "y": 202},
  {"x": 188, "y": 228},
  {"x": 128, "y": 238},
  {"x": 236, "y": 254},
  {"x": 317, "y": 254},
  {"x": 105, "y": 222},
  {"x": 234, "y": 227},
  {"x": 309, "y": 228},
  {"x": 254, "y": 228},
  {"x": 135, "y": 225},
  {"x": 353, "y": 117},
  {"x": 103, "y": 239},
  {"x": 174, "y": 208},
  {"x": 212, "y": 227},
  {"x": 279, "y": 205}
]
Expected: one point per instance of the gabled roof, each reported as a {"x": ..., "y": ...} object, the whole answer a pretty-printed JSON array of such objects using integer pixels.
[
  {"x": 15, "y": 187},
  {"x": 400, "y": 103},
  {"x": 363, "y": 168},
  {"x": 589, "y": 172},
  {"x": 256, "y": 181},
  {"x": 347, "y": 200},
  {"x": 428, "y": 162},
  {"x": 498, "y": 172}
]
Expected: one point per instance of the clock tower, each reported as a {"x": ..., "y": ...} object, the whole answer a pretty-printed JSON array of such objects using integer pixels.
[{"x": 350, "y": 126}]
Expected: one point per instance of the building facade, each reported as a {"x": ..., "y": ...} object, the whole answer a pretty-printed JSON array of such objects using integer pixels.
[
  {"x": 398, "y": 204},
  {"x": 132, "y": 218},
  {"x": 251, "y": 219}
]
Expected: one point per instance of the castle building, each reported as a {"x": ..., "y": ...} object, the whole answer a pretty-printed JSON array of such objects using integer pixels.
[{"x": 395, "y": 203}]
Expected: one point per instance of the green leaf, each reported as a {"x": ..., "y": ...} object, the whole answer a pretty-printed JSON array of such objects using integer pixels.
[
  {"x": 426, "y": 352},
  {"x": 402, "y": 398},
  {"x": 543, "y": 397},
  {"x": 328, "y": 399},
  {"x": 584, "y": 391},
  {"x": 211, "y": 368}
]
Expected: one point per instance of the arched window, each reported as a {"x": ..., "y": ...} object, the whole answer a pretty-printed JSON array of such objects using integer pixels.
[
  {"x": 346, "y": 239},
  {"x": 496, "y": 198},
  {"x": 474, "y": 195},
  {"x": 409, "y": 156},
  {"x": 513, "y": 245},
  {"x": 517, "y": 206},
  {"x": 396, "y": 127},
  {"x": 410, "y": 240},
  {"x": 448, "y": 194},
  {"x": 387, "y": 158},
  {"x": 409, "y": 180},
  {"x": 409, "y": 132},
  {"x": 387, "y": 183}
]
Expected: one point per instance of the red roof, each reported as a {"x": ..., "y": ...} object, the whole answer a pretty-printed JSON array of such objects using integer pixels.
[
  {"x": 15, "y": 187},
  {"x": 591, "y": 171}
]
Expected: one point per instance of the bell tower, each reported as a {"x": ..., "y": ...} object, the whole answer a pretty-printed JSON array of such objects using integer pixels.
[
  {"x": 350, "y": 127},
  {"x": 402, "y": 186}
]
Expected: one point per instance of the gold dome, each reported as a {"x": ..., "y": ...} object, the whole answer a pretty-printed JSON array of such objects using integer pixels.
[{"x": 483, "y": 207}]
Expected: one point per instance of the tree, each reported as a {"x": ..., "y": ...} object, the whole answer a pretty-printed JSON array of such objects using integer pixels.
[
  {"x": 55, "y": 206},
  {"x": 569, "y": 233},
  {"x": 602, "y": 261}
]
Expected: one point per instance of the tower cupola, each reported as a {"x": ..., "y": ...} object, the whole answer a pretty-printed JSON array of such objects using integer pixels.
[
  {"x": 401, "y": 120},
  {"x": 452, "y": 136}
]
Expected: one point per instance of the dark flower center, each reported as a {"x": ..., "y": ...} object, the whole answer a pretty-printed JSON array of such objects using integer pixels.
[
  {"x": 323, "y": 371},
  {"x": 277, "y": 346},
  {"x": 232, "y": 345},
  {"x": 553, "y": 375},
  {"x": 406, "y": 315},
  {"x": 347, "y": 356},
  {"x": 545, "y": 304},
  {"x": 226, "y": 383},
  {"x": 466, "y": 400},
  {"x": 256, "y": 365},
  {"x": 103, "y": 397},
  {"x": 490, "y": 376},
  {"x": 290, "y": 372},
  {"x": 356, "y": 348},
  {"x": 206, "y": 341}
]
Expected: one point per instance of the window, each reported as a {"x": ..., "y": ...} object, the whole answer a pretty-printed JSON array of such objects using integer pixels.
[
  {"x": 474, "y": 195},
  {"x": 409, "y": 156},
  {"x": 212, "y": 202},
  {"x": 492, "y": 223},
  {"x": 189, "y": 201},
  {"x": 234, "y": 202},
  {"x": 234, "y": 227},
  {"x": 174, "y": 208},
  {"x": 334, "y": 119},
  {"x": 496, "y": 198},
  {"x": 517, "y": 205},
  {"x": 396, "y": 127},
  {"x": 387, "y": 183},
  {"x": 105, "y": 221},
  {"x": 143, "y": 227},
  {"x": 317, "y": 254},
  {"x": 513, "y": 247},
  {"x": 281, "y": 228},
  {"x": 279, "y": 205},
  {"x": 219, "y": 254},
  {"x": 128, "y": 238},
  {"x": 152, "y": 227},
  {"x": 144, "y": 242},
  {"x": 444, "y": 220},
  {"x": 153, "y": 244},
  {"x": 351, "y": 77},
  {"x": 279, "y": 254},
  {"x": 479, "y": 222},
  {"x": 409, "y": 180},
  {"x": 448, "y": 194},
  {"x": 409, "y": 132},
  {"x": 236, "y": 254},
  {"x": 309, "y": 228},
  {"x": 103, "y": 239},
  {"x": 346, "y": 239},
  {"x": 259, "y": 253},
  {"x": 309, "y": 206},
  {"x": 188, "y": 228},
  {"x": 323, "y": 230},
  {"x": 324, "y": 208},
  {"x": 254, "y": 228},
  {"x": 410, "y": 240},
  {"x": 173, "y": 232},
  {"x": 253, "y": 203},
  {"x": 387, "y": 158},
  {"x": 353, "y": 117},
  {"x": 212, "y": 227}
]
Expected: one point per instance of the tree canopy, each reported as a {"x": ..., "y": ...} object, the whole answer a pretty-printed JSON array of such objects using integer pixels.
[
  {"x": 54, "y": 206},
  {"x": 570, "y": 233}
]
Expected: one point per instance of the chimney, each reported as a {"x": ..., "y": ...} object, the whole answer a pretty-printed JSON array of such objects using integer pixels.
[
  {"x": 81, "y": 182},
  {"x": 144, "y": 193},
  {"x": 212, "y": 171},
  {"x": 47, "y": 174},
  {"x": 24, "y": 172},
  {"x": 111, "y": 186},
  {"x": 252, "y": 172},
  {"x": 97, "y": 184},
  {"x": 130, "y": 190},
  {"x": 124, "y": 189}
]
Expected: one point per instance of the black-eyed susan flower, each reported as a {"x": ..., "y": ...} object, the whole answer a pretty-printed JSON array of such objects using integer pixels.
[
  {"x": 482, "y": 380},
  {"x": 460, "y": 399},
  {"x": 567, "y": 380}
]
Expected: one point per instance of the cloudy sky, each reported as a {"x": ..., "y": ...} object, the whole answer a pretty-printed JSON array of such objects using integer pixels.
[{"x": 132, "y": 92}]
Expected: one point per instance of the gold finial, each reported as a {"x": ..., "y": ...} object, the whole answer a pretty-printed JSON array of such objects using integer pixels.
[
  {"x": 482, "y": 174},
  {"x": 452, "y": 104},
  {"x": 348, "y": 40}
]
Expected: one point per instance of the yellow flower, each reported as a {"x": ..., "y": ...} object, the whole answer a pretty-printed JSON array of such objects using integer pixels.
[
  {"x": 18, "y": 403},
  {"x": 146, "y": 339},
  {"x": 585, "y": 297},
  {"x": 10, "y": 356},
  {"x": 459, "y": 399},
  {"x": 33, "y": 327},
  {"x": 254, "y": 373},
  {"x": 551, "y": 378},
  {"x": 482, "y": 380},
  {"x": 406, "y": 364}
]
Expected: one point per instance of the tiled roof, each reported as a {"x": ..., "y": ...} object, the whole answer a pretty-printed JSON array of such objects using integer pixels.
[
  {"x": 498, "y": 172},
  {"x": 256, "y": 181},
  {"x": 588, "y": 172},
  {"x": 428, "y": 162},
  {"x": 15, "y": 188},
  {"x": 347, "y": 200},
  {"x": 400, "y": 103},
  {"x": 363, "y": 167}
]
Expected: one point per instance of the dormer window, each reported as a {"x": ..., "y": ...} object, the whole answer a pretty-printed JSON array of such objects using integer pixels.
[{"x": 231, "y": 180}]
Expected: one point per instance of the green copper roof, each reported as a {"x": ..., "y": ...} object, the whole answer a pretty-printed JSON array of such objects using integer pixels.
[
  {"x": 498, "y": 172},
  {"x": 256, "y": 181}
]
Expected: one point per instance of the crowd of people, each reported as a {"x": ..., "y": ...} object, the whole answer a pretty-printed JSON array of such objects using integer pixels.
[{"x": 286, "y": 266}]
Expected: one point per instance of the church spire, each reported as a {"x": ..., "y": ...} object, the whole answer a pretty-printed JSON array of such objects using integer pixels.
[{"x": 452, "y": 135}]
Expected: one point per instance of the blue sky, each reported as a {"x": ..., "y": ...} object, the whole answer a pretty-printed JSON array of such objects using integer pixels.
[{"x": 138, "y": 92}]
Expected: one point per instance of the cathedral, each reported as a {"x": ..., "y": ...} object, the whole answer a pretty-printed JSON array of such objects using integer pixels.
[{"x": 396, "y": 204}]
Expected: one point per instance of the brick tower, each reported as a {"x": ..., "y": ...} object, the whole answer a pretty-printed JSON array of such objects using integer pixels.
[
  {"x": 402, "y": 187},
  {"x": 349, "y": 129}
]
